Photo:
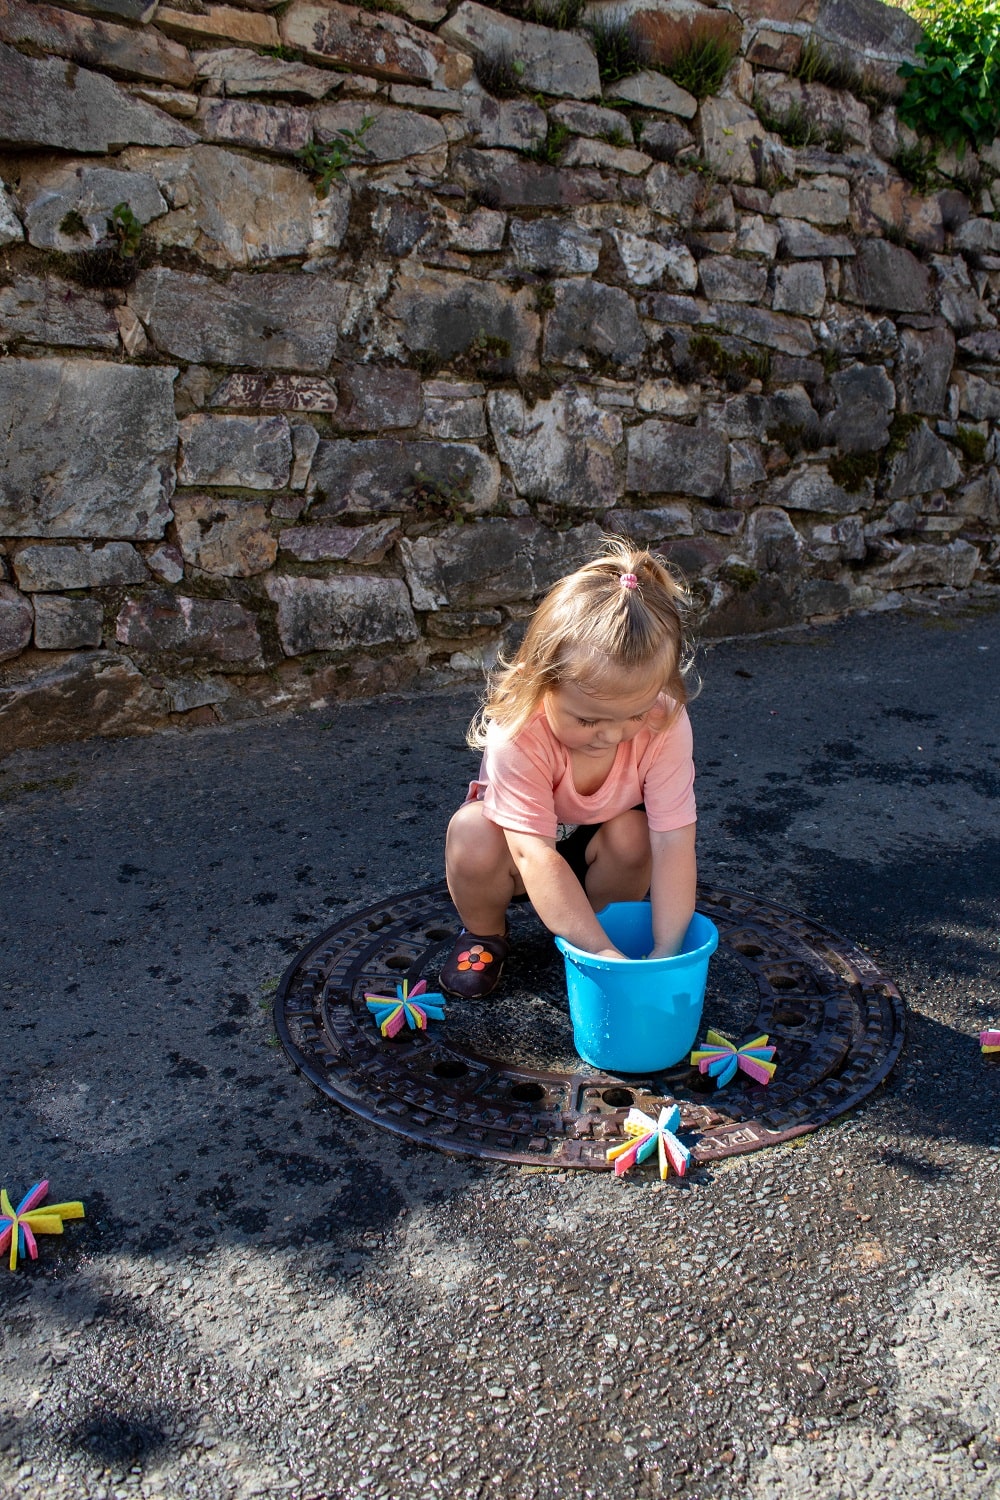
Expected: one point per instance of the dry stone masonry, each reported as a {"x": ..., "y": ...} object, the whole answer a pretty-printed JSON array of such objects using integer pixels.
[{"x": 271, "y": 435}]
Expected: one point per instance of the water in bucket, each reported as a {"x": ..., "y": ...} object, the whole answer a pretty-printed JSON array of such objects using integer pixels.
[{"x": 637, "y": 1015}]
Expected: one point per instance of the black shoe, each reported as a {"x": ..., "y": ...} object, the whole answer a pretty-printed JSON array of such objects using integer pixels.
[{"x": 473, "y": 967}]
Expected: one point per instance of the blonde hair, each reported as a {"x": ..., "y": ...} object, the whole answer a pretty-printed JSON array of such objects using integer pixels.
[{"x": 621, "y": 612}]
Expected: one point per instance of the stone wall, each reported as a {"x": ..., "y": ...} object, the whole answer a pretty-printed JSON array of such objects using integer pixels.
[{"x": 261, "y": 446}]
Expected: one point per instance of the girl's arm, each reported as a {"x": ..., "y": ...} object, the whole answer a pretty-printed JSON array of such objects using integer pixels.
[
  {"x": 672, "y": 892},
  {"x": 557, "y": 895}
]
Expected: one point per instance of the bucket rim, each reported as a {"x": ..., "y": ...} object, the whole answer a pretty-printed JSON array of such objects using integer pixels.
[{"x": 692, "y": 956}]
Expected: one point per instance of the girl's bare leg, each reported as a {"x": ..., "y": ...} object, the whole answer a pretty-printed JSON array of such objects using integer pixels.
[
  {"x": 620, "y": 862},
  {"x": 482, "y": 877}
]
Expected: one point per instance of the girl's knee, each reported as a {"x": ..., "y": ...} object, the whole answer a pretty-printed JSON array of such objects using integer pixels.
[
  {"x": 626, "y": 839},
  {"x": 473, "y": 843}
]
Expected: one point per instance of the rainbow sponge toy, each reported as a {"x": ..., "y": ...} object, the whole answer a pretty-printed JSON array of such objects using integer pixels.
[
  {"x": 720, "y": 1059},
  {"x": 649, "y": 1135},
  {"x": 391, "y": 1015},
  {"x": 18, "y": 1226},
  {"x": 990, "y": 1042}
]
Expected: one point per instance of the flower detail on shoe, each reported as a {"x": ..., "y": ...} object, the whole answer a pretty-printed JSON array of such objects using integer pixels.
[
  {"x": 476, "y": 958},
  {"x": 474, "y": 965}
]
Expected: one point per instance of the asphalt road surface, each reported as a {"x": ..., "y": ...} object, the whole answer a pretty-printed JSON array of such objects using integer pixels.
[{"x": 269, "y": 1296}]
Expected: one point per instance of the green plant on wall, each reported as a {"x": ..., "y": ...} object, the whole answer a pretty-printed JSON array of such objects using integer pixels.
[
  {"x": 125, "y": 230},
  {"x": 953, "y": 89},
  {"x": 327, "y": 161},
  {"x": 700, "y": 64},
  {"x": 619, "y": 46}
]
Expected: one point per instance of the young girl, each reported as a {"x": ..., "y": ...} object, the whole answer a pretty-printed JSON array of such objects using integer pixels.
[{"x": 586, "y": 726}]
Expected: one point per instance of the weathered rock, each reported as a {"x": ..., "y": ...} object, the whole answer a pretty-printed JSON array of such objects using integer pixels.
[
  {"x": 96, "y": 693},
  {"x": 591, "y": 319},
  {"x": 87, "y": 193},
  {"x": 695, "y": 556},
  {"x": 927, "y": 566},
  {"x": 559, "y": 451},
  {"x": 810, "y": 487},
  {"x": 262, "y": 127},
  {"x": 126, "y": 10},
  {"x": 724, "y": 278},
  {"x": 86, "y": 448},
  {"x": 746, "y": 467},
  {"x": 842, "y": 541},
  {"x": 481, "y": 231},
  {"x": 453, "y": 317},
  {"x": 400, "y": 226},
  {"x": 493, "y": 562},
  {"x": 773, "y": 543},
  {"x": 219, "y": 23},
  {"x": 865, "y": 400},
  {"x": 980, "y": 500},
  {"x": 979, "y": 235},
  {"x": 555, "y": 246},
  {"x": 359, "y": 544},
  {"x": 727, "y": 131},
  {"x": 775, "y": 50},
  {"x": 182, "y": 105},
  {"x": 454, "y": 410},
  {"x": 265, "y": 321},
  {"x": 503, "y": 180},
  {"x": 218, "y": 630},
  {"x": 668, "y": 458},
  {"x": 886, "y": 276},
  {"x": 165, "y": 563},
  {"x": 757, "y": 236},
  {"x": 100, "y": 44},
  {"x": 254, "y": 391},
  {"x": 823, "y": 200},
  {"x": 984, "y": 346},
  {"x": 878, "y": 37},
  {"x": 50, "y": 312},
  {"x": 16, "y": 619},
  {"x": 664, "y": 140},
  {"x": 11, "y": 230},
  {"x": 373, "y": 43},
  {"x": 428, "y": 101},
  {"x": 890, "y": 205},
  {"x": 38, "y": 107},
  {"x": 373, "y": 398},
  {"x": 923, "y": 369},
  {"x": 773, "y": 330},
  {"x": 655, "y": 91},
  {"x": 305, "y": 441},
  {"x": 379, "y": 476},
  {"x": 40, "y": 568},
  {"x": 800, "y": 289},
  {"x": 515, "y": 123},
  {"x": 232, "y": 210},
  {"x": 554, "y": 62},
  {"x": 586, "y": 152},
  {"x": 978, "y": 398},
  {"x": 252, "y": 453},
  {"x": 459, "y": 624},
  {"x": 802, "y": 241},
  {"x": 651, "y": 527},
  {"x": 394, "y": 135},
  {"x": 593, "y": 120},
  {"x": 925, "y": 464},
  {"x": 224, "y": 536},
  {"x": 646, "y": 261},
  {"x": 67, "y": 624},
  {"x": 957, "y": 300},
  {"x": 829, "y": 111},
  {"x": 339, "y": 614},
  {"x": 244, "y": 72},
  {"x": 860, "y": 336}
]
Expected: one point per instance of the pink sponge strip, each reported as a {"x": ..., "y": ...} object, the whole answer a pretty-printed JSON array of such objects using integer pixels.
[{"x": 989, "y": 1041}]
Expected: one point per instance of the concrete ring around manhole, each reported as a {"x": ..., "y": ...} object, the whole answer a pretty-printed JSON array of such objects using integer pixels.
[{"x": 500, "y": 1078}]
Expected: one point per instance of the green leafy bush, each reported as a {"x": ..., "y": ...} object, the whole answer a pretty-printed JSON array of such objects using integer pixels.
[
  {"x": 619, "y": 46},
  {"x": 953, "y": 90},
  {"x": 327, "y": 162}
]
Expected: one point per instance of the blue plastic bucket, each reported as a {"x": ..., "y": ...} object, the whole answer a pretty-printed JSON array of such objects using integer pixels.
[{"x": 634, "y": 1014}]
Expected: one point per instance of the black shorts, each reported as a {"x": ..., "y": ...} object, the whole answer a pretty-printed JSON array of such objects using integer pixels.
[{"x": 573, "y": 848}]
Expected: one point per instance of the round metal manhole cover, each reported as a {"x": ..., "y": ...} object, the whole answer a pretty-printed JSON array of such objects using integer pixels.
[{"x": 500, "y": 1078}]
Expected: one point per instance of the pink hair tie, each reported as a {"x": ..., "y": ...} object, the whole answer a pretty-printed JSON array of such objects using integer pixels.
[{"x": 629, "y": 581}]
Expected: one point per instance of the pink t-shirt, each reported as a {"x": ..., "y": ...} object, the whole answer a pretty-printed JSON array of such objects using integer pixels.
[{"x": 526, "y": 783}]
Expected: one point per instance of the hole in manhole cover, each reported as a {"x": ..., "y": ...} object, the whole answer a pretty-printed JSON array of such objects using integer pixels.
[{"x": 501, "y": 1079}]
